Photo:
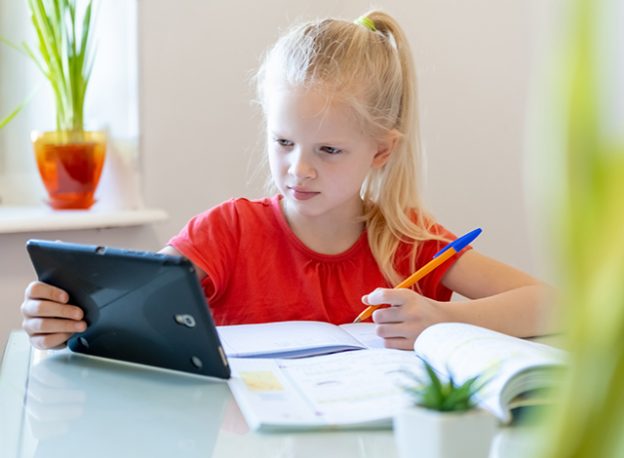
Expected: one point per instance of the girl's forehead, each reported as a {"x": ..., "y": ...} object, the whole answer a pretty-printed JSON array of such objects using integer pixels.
[
  {"x": 317, "y": 94},
  {"x": 312, "y": 103}
]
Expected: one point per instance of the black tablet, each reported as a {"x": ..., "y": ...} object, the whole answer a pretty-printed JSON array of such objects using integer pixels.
[{"x": 141, "y": 307}]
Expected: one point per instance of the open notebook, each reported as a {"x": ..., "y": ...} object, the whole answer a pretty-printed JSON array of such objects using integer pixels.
[
  {"x": 295, "y": 339},
  {"x": 363, "y": 388}
]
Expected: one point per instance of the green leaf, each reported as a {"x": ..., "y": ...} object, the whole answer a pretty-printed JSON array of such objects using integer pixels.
[
  {"x": 63, "y": 57},
  {"x": 15, "y": 112},
  {"x": 430, "y": 391},
  {"x": 10, "y": 44}
]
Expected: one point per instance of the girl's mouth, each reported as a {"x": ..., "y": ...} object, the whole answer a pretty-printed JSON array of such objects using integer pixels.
[{"x": 302, "y": 194}]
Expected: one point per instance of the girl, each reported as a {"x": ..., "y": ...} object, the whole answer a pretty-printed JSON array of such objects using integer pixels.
[{"x": 346, "y": 225}]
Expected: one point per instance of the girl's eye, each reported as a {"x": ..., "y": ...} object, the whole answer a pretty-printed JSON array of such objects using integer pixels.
[
  {"x": 283, "y": 142},
  {"x": 331, "y": 150}
]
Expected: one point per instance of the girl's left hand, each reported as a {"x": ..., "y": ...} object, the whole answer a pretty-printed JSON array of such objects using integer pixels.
[{"x": 409, "y": 314}]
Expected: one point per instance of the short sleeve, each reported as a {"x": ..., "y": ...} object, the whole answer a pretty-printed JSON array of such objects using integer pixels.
[{"x": 210, "y": 240}]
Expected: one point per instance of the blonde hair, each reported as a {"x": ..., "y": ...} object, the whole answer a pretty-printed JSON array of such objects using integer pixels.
[{"x": 372, "y": 72}]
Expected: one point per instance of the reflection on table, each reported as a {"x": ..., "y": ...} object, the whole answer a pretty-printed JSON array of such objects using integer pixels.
[{"x": 74, "y": 405}]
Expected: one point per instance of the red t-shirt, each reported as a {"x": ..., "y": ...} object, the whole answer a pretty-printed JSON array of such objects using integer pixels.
[{"x": 259, "y": 271}]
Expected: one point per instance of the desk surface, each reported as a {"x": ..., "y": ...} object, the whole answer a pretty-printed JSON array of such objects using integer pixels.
[{"x": 60, "y": 404}]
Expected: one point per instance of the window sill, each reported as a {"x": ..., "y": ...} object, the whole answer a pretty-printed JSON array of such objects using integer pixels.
[{"x": 43, "y": 219}]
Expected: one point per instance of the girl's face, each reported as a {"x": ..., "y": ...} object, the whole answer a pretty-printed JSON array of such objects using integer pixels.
[{"x": 317, "y": 154}]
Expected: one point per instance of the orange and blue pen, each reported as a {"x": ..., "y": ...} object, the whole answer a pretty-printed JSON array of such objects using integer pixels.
[{"x": 438, "y": 259}]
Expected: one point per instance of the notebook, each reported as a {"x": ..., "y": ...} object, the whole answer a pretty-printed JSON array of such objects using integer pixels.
[
  {"x": 363, "y": 389},
  {"x": 296, "y": 339}
]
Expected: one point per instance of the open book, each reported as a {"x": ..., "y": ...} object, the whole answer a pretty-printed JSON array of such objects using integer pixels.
[
  {"x": 357, "y": 389},
  {"x": 295, "y": 339}
]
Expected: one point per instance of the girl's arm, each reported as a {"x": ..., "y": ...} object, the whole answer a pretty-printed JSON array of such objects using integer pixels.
[{"x": 499, "y": 297}]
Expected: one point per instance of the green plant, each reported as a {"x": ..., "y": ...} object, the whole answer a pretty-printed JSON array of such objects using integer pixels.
[
  {"x": 586, "y": 186},
  {"x": 64, "y": 56},
  {"x": 443, "y": 394}
]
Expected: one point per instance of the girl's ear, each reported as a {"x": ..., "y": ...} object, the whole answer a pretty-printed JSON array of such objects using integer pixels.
[{"x": 385, "y": 148}]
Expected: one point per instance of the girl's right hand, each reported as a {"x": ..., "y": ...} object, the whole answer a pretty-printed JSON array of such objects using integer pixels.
[{"x": 48, "y": 319}]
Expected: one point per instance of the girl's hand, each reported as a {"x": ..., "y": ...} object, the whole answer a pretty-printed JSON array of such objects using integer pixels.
[
  {"x": 409, "y": 315},
  {"x": 48, "y": 319}
]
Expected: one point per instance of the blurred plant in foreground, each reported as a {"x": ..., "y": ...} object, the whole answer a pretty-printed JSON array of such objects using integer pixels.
[{"x": 586, "y": 182}]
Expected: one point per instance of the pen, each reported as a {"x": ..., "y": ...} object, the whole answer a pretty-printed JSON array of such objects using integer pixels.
[{"x": 449, "y": 250}]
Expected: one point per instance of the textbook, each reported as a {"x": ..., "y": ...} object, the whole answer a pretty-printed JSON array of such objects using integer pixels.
[
  {"x": 363, "y": 388},
  {"x": 296, "y": 339}
]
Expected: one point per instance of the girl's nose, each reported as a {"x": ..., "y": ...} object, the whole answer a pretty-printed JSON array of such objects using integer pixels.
[{"x": 300, "y": 166}]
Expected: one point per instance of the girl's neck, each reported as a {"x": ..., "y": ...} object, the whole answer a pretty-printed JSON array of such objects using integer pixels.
[{"x": 327, "y": 234}]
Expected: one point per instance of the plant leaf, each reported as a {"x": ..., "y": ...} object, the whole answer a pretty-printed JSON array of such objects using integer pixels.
[
  {"x": 430, "y": 391},
  {"x": 11, "y": 44},
  {"x": 20, "y": 107}
]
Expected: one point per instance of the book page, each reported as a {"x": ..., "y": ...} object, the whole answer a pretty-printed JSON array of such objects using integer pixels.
[
  {"x": 351, "y": 388},
  {"x": 467, "y": 351},
  {"x": 285, "y": 339}
]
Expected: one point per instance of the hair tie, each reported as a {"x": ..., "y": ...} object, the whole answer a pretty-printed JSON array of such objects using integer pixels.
[{"x": 366, "y": 22}]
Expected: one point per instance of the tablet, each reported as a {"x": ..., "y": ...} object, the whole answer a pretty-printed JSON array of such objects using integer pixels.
[{"x": 141, "y": 307}]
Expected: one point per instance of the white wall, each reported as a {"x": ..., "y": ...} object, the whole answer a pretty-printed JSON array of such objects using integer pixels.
[
  {"x": 199, "y": 129},
  {"x": 473, "y": 62}
]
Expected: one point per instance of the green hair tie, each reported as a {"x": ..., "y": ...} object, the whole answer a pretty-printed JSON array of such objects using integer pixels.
[{"x": 366, "y": 22}]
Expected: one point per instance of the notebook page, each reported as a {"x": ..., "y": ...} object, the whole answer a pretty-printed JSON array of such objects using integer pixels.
[
  {"x": 351, "y": 388},
  {"x": 364, "y": 333},
  {"x": 354, "y": 387},
  {"x": 265, "y": 397},
  {"x": 286, "y": 337}
]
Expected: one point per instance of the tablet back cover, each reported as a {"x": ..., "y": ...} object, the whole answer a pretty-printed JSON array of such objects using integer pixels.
[{"x": 141, "y": 307}]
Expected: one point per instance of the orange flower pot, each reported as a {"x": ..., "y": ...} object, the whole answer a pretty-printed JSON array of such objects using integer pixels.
[{"x": 70, "y": 164}]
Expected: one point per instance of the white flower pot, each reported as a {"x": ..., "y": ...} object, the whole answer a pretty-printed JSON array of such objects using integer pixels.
[{"x": 420, "y": 432}]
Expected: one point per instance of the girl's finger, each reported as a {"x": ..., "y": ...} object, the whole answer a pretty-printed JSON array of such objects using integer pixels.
[
  {"x": 39, "y": 308},
  {"x": 40, "y": 290},
  {"x": 384, "y": 296},
  {"x": 388, "y": 315},
  {"x": 398, "y": 343},
  {"x": 391, "y": 296},
  {"x": 34, "y": 326},
  {"x": 49, "y": 341}
]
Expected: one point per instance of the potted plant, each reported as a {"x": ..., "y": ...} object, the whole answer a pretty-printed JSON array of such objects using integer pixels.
[
  {"x": 69, "y": 159},
  {"x": 443, "y": 421}
]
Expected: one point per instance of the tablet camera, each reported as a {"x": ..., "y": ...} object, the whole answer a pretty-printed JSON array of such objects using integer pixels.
[
  {"x": 197, "y": 362},
  {"x": 185, "y": 319}
]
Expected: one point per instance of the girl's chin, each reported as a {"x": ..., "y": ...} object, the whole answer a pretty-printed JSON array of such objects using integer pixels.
[
  {"x": 317, "y": 206},
  {"x": 305, "y": 207}
]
